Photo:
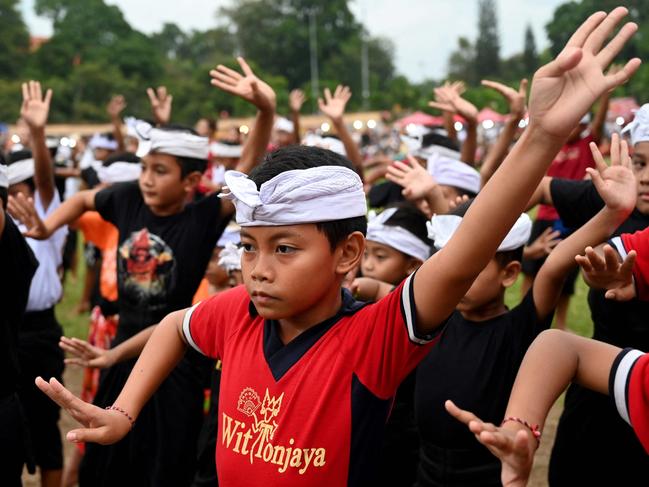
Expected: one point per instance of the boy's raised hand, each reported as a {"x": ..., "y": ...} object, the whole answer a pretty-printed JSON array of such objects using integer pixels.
[
  {"x": 334, "y": 106},
  {"x": 515, "y": 98},
  {"x": 35, "y": 107},
  {"x": 609, "y": 273},
  {"x": 117, "y": 104},
  {"x": 514, "y": 447},
  {"x": 22, "y": 209},
  {"x": 447, "y": 98},
  {"x": 615, "y": 184},
  {"x": 415, "y": 180},
  {"x": 296, "y": 100},
  {"x": 565, "y": 89},
  {"x": 247, "y": 86},
  {"x": 85, "y": 354},
  {"x": 99, "y": 425},
  {"x": 161, "y": 102}
]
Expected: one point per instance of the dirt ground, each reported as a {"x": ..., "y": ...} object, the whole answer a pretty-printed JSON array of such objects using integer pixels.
[{"x": 72, "y": 378}]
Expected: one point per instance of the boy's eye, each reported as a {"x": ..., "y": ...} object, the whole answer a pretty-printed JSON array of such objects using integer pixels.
[
  {"x": 246, "y": 247},
  {"x": 285, "y": 249}
]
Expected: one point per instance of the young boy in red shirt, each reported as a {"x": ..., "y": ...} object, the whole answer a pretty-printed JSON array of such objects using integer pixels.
[{"x": 311, "y": 373}]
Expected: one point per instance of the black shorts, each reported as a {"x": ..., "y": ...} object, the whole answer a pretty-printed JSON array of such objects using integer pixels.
[
  {"x": 531, "y": 267},
  {"x": 13, "y": 441},
  {"x": 39, "y": 355}
]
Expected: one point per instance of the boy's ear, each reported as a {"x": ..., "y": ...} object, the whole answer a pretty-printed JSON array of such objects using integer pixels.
[
  {"x": 510, "y": 273},
  {"x": 351, "y": 252},
  {"x": 192, "y": 180}
]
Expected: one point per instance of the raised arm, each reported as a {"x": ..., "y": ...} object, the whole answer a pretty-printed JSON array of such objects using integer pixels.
[
  {"x": 597, "y": 126},
  {"x": 603, "y": 268},
  {"x": 162, "y": 352},
  {"x": 562, "y": 92},
  {"x": 496, "y": 155},
  {"x": 448, "y": 99},
  {"x": 22, "y": 209},
  {"x": 296, "y": 100},
  {"x": 617, "y": 187},
  {"x": 418, "y": 185},
  {"x": 114, "y": 109},
  {"x": 333, "y": 106},
  {"x": 161, "y": 102},
  {"x": 34, "y": 111},
  {"x": 255, "y": 91},
  {"x": 563, "y": 358}
]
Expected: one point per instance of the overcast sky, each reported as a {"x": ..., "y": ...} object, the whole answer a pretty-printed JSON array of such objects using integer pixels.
[{"x": 424, "y": 32}]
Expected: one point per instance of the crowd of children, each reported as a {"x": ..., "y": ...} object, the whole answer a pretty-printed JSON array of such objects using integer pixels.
[{"x": 254, "y": 324}]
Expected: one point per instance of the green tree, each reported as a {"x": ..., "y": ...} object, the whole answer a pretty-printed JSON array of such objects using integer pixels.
[
  {"x": 487, "y": 46},
  {"x": 530, "y": 55},
  {"x": 14, "y": 40},
  {"x": 461, "y": 63}
]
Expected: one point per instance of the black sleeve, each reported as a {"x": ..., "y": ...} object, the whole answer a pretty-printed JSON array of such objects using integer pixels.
[
  {"x": 575, "y": 201},
  {"x": 16, "y": 260},
  {"x": 114, "y": 202},
  {"x": 526, "y": 320}
]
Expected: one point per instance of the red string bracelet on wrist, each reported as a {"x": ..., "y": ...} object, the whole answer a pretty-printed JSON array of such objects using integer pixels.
[
  {"x": 533, "y": 428},
  {"x": 120, "y": 410}
]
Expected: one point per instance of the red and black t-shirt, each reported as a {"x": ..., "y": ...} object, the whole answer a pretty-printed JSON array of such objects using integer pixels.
[
  {"x": 638, "y": 241},
  {"x": 310, "y": 412},
  {"x": 629, "y": 389}
]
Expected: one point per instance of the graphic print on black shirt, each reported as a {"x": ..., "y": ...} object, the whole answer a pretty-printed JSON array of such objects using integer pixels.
[{"x": 147, "y": 270}]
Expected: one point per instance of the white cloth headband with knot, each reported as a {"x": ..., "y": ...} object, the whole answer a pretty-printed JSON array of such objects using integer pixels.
[
  {"x": 329, "y": 143},
  {"x": 442, "y": 227},
  {"x": 99, "y": 141},
  {"x": 396, "y": 237},
  {"x": 4, "y": 176},
  {"x": 173, "y": 142},
  {"x": 639, "y": 127},
  {"x": 317, "y": 194},
  {"x": 452, "y": 172},
  {"x": 20, "y": 171},
  {"x": 118, "y": 172},
  {"x": 230, "y": 257}
]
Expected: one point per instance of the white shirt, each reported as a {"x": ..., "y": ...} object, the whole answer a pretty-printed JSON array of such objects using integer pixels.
[{"x": 46, "y": 290}]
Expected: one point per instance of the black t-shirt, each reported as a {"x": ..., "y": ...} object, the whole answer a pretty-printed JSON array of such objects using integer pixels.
[
  {"x": 17, "y": 267},
  {"x": 474, "y": 364},
  {"x": 160, "y": 260},
  {"x": 624, "y": 324}
]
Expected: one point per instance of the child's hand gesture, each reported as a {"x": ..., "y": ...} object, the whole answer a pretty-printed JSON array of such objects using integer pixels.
[
  {"x": 35, "y": 107},
  {"x": 615, "y": 184},
  {"x": 609, "y": 273},
  {"x": 415, "y": 180},
  {"x": 160, "y": 104},
  {"x": 117, "y": 104},
  {"x": 513, "y": 445},
  {"x": 99, "y": 425},
  {"x": 85, "y": 354},
  {"x": 566, "y": 88},
  {"x": 22, "y": 209},
  {"x": 448, "y": 99},
  {"x": 543, "y": 245},
  {"x": 516, "y": 99},
  {"x": 296, "y": 100},
  {"x": 334, "y": 106},
  {"x": 249, "y": 86}
]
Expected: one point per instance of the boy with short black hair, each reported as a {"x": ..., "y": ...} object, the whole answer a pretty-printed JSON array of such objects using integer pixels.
[{"x": 310, "y": 373}]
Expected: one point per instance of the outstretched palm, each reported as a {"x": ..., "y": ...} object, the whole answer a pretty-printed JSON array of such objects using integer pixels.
[
  {"x": 333, "y": 106},
  {"x": 566, "y": 88},
  {"x": 35, "y": 107},
  {"x": 247, "y": 86}
]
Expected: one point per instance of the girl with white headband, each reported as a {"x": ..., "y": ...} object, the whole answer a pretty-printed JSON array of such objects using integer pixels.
[{"x": 310, "y": 373}]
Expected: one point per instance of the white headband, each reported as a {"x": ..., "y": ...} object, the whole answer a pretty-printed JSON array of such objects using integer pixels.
[
  {"x": 230, "y": 257},
  {"x": 317, "y": 194},
  {"x": 4, "y": 176},
  {"x": 225, "y": 150},
  {"x": 396, "y": 237},
  {"x": 173, "y": 142},
  {"x": 118, "y": 172},
  {"x": 639, "y": 127},
  {"x": 99, "y": 141},
  {"x": 442, "y": 227},
  {"x": 329, "y": 143},
  {"x": 414, "y": 147},
  {"x": 231, "y": 235},
  {"x": 284, "y": 125},
  {"x": 452, "y": 172},
  {"x": 20, "y": 171}
]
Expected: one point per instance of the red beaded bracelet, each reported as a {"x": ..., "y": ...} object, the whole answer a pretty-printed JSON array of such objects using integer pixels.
[
  {"x": 533, "y": 428},
  {"x": 120, "y": 410}
]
